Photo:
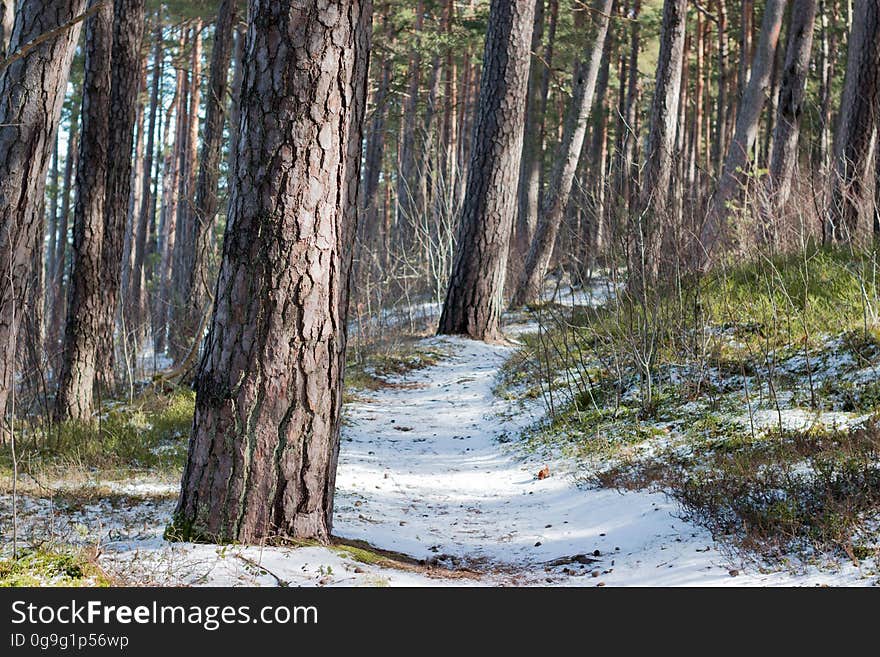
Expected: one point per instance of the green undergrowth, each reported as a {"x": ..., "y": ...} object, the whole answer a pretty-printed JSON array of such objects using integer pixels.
[
  {"x": 147, "y": 435},
  {"x": 749, "y": 395},
  {"x": 55, "y": 566}
]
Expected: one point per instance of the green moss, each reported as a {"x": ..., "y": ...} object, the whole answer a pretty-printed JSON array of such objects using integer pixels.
[{"x": 48, "y": 567}]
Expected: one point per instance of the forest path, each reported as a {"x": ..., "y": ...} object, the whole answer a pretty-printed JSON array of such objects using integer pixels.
[{"x": 431, "y": 467}]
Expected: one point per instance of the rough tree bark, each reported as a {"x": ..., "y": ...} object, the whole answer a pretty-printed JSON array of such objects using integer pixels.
[
  {"x": 474, "y": 297},
  {"x": 566, "y": 161},
  {"x": 849, "y": 215},
  {"x": 31, "y": 95},
  {"x": 716, "y": 230},
  {"x": 651, "y": 218},
  {"x": 128, "y": 32},
  {"x": 265, "y": 438},
  {"x": 790, "y": 106},
  {"x": 80, "y": 349}
]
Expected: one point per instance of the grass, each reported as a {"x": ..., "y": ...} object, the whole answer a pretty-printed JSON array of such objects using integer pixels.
[
  {"x": 661, "y": 393},
  {"x": 371, "y": 366},
  {"x": 148, "y": 435},
  {"x": 60, "y": 566}
]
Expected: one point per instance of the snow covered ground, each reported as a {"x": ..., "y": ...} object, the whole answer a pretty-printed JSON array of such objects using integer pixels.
[{"x": 430, "y": 466}]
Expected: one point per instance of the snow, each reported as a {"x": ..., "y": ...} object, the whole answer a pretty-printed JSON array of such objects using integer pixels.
[{"x": 430, "y": 466}]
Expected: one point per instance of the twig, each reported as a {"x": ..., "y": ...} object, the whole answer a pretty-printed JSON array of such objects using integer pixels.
[{"x": 22, "y": 52}]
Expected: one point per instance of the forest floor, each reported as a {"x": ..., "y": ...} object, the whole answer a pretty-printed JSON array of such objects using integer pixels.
[{"x": 436, "y": 486}]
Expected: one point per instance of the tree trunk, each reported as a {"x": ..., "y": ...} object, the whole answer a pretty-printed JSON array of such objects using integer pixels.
[
  {"x": 207, "y": 203},
  {"x": 851, "y": 206},
  {"x": 81, "y": 335},
  {"x": 58, "y": 310},
  {"x": 28, "y": 125},
  {"x": 566, "y": 162},
  {"x": 184, "y": 246},
  {"x": 790, "y": 105},
  {"x": 7, "y": 20},
  {"x": 265, "y": 439},
  {"x": 737, "y": 162},
  {"x": 652, "y": 216},
  {"x": 719, "y": 142},
  {"x": 128, "y": 31},
  {"x": 137, "y": 298},
  {"x": 406, "y": 175},
  {"x": 533, "y": 147},
  {"x": 473, "y": 300}
]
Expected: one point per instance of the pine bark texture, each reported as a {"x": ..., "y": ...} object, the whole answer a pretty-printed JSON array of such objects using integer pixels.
[
  {"x": 473, "y": 303},
  {"x": 851, "y": 206},
  {"x": 83, "y": 326},
  {"x": 568, "y": 155},
  {"x": 31, "y": 95},
  {"x": 265, "y": 438},
  {"x": 716, "y": 229}
]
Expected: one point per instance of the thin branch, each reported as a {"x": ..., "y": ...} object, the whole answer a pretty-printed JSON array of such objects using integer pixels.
[{"x": 23, "y": 52}]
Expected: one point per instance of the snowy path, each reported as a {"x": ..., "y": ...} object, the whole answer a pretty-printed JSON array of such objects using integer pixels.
[{"x": 422, "y": 471}]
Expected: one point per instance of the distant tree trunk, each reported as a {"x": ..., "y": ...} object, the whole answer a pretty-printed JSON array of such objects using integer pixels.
[
  {"x": 58, "y": 298},
  {"x": 651, "y": 217},
  {"x": 719, "y": 141},
  {"x": 473, "y": 300},
  {"x": 55, "y": 192},
  {"x": 170, "y": 206},
  {"x": 234, "y": 110},
  {"x": 28, "y": 125},
  {"x": 827, "y": 70},
  {"x": 76, "y": 381},
  {"x": 375, "y": 149},
  {"x": 851, "y": 206},
  {"x": 736, "y": 164},
  {"x": 137, "y": 298},
  {"x": 627, "y": 174},
  {"x": 7, "y": 20},
  {"x": 265, "y": 439},
  {"x": 791, "y": 105},
  {"x": 406, "y": 175},
  {"x": 207, "y": 203},
  {"x": 533, "y": 147},
  {"x": 184, "y": 246},
  {"x": 128, "y": 31},
  {"x": 566, "y": 162}
]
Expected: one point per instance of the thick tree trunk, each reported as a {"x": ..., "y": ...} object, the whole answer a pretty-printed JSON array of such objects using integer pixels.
[
  {"x": 652, "y": 216},
  {"x": 716, "y": 230},
  {"x": 851, "y": 205},
  {"x": 474, "y": 297},
  {"x": 128, "y": 31},
  {"x": 792, "y": 91},
  {"x": 77, "y": 378},
  {"x": 207, "y": 203},
  {"x": 265, "y": 439},
  {"x": 31, "y": 95},
  {"x": 566, "y": 162}
]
